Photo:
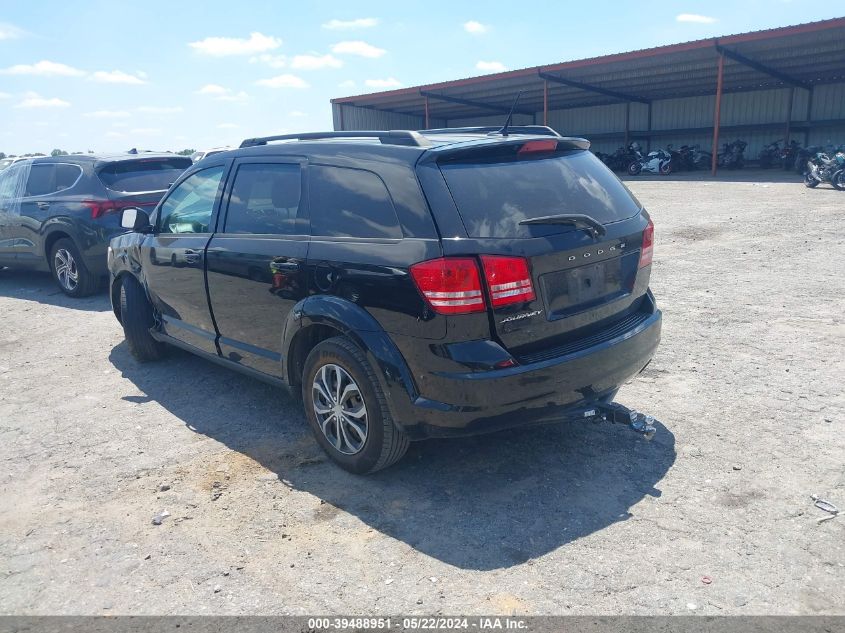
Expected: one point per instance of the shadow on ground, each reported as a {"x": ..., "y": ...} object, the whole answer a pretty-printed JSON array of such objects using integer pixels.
[
  {"x": 479, "y": 503},
  {"x": 751, "y": 175},
  {"x": 41, "y": 288}
]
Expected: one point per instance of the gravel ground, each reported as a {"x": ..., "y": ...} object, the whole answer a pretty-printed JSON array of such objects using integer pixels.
[{"x": 714, "y": 516}]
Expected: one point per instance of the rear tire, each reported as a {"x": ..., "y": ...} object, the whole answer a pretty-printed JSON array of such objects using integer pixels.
[
  {"x": 137, "y": 317},
  {"x": 666, "y": 169},
  {"x": 360, "y": 435},
  {"x": 838, "y": 180},
  {"x": 69, "y": 270},
  {"x": 810, "y": 182},
  {"x": 634, "y": 169}
]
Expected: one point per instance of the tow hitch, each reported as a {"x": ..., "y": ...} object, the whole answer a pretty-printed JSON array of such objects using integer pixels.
[{"x": 620, "y": 414}]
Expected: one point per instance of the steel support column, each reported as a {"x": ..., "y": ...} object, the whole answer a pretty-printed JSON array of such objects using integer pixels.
[
  {"x": 340, "y": 111},
  {"x": 627, "y": 122},
  {"x": 809, "y": 116},
  {"x": 427, "y": 123},
  {"x": 648, "y": 142},
  {"x": 545, "y": 102},
  {"x": 791, "y": 98},
  {"x": 717, "y": 114}
]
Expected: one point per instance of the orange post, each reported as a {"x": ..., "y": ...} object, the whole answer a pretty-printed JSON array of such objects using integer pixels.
[
  {"x": 427, "y": 125},
  {"x": 717, "y": 114},
  {"x": 545, "y": 102}
]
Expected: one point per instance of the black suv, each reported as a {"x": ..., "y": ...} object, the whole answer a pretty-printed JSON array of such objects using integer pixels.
[
  {"x": 58, "y": 214},
  {"x": 408, "y": 284}
]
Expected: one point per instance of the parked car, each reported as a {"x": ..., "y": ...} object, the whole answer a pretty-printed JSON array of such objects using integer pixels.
[
  {"x": 408, "y": 285},
  {"x": 198, "y": 156},
  {"x": 58, "y": 214},
  {"x": 8, "y": 162}
]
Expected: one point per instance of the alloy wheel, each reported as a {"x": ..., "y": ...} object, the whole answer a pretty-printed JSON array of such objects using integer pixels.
[
  {"x": 66, "y": 270},
  {"x": 340, "y": 409}
]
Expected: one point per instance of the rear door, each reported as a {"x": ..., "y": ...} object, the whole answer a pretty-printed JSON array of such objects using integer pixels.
[
  {"x": 173, "y": 257},
  {"x": 582, "y": 280},
  {"x": 256, "y": 260}
]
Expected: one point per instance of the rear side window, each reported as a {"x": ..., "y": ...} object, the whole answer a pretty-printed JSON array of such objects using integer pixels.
[
  {"x": 494, "y": 194},
  {"x": 144, "y": 174},
  {"x": 41, "y": 181},
  {"x": 350, "y": 203},
  {"x": 66, "y": 176},
  {"x": 265, "y": 200}
]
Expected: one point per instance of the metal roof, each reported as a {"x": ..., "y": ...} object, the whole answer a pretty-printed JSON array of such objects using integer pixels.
[{"x": 803, "y": 55}]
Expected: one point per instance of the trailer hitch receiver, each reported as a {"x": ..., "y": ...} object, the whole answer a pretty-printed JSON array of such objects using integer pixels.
[{"x": 620, "y": 414}]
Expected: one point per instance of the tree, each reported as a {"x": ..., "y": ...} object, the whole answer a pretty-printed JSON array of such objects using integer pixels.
[
  {"x": 58, "y": 152},
  {"x": 2, "y": 155},
  {"x": 186, "y": 152}
]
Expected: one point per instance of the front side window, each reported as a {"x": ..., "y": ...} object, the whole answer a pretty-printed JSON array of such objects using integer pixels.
[
  {"x": 189, "y": 206},
  {"x": 265, "y": 200},
  {"x": 350, "y": 203}
]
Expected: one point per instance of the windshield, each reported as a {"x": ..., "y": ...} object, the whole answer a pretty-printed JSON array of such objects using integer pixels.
[
  {"x": 495, "y": 194},
  {"x": 147, "y": 174}
]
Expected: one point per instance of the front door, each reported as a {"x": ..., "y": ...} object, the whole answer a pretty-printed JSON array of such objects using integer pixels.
[
  {"x": 256, "y": 261},
  {"x": 173, "y": 258}
]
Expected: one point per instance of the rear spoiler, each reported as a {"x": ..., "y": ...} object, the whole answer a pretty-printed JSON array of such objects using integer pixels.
[{"x": 492, "y": 142}]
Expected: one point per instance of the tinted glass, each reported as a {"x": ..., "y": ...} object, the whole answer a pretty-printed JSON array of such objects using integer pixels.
[
  {"x": 144, "y": 174},
  {"x": 189, "y": 206},
  {"x": 66, "y": 176},
  {"x": 350, "y": 203},
  {"x": 265, "y": 199},
  {"x": 495, "y": 194},
  {"x": 41, "y": 180}
]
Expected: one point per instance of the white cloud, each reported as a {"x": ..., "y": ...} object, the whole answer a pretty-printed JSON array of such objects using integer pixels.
[
  {"x": 224, "y": 46},
  {"x": 10, "y": 31},
  {"x": 348, "y": 25},
  {"x": 315, "y": 62},
  {"x": 273, "y": 61},
  {"x": 44, "y": 68},
  {"x": 491, "y": 67},
  {"x": 219, "y": 93},
  {"x": 108, "y": 114},
  {"x": 283, "y": 81},
  {"x": 120, "y": 124},
  {"x": 145, "y": 131},
  {"x": 359, "y": 48},
  {"x": 695, "y": 18},
  {"x": 114, "y": 135},
  {"x": 5, "y": 95},
  {"x": 297, "y": 114},
  {"x": 390, "y": 82},
  {"x": 116, "y": 77},
  {"x": 228, "y": 126},
  {"x": 34, "y": 100},
  {"x": 347, "y": 85},
  {"x": 212, "y": 89},
  {"x": 476, "y": 28},
  {"x": 160, "y": 109}
]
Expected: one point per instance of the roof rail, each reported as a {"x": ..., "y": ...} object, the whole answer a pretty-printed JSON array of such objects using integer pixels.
[
  {"x": 387, "y": 137},
  {"x": 542, "y": 130}
]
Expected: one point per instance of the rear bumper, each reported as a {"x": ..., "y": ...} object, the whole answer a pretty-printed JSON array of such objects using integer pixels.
[{"x": 548, "y": 391}]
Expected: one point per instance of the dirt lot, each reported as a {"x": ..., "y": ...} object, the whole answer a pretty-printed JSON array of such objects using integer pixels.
[{"x": 747, "y": 384}]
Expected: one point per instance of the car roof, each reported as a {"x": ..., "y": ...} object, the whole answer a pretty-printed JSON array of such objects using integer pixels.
[{"x": 104, "y": 158}]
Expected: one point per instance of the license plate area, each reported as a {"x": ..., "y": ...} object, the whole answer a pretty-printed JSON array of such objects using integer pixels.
[{"x": 566, "y": 292}]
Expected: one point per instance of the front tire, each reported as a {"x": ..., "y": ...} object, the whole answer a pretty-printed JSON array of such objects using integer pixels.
[
  {"x": 137, "y": 317},
  {"x": 838, "y": 180},
  {"x": 810, "y": 181},
  {"x": 347, "y": 410},
  {"x": 634, "y": 169},
  {"x": 69, "y": 270}
]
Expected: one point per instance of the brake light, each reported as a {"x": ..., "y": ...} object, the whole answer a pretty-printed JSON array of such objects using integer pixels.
[
  {"x": 648, "y": 245},
  {"x": 450, "y": 285},
  {"x": 99, "y": 208},
  {"x": 508, "y": 279},
  {"x": 537, "y": 146}
]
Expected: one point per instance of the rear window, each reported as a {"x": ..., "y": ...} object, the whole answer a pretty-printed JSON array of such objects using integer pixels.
[
  {"x": 147, "y": 174},
  {"x": 495, "y": 193}
]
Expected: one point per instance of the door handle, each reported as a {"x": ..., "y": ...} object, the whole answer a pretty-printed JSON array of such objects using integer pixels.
[
  {"x": 43, "y": 205},
  {"x": 286, "y": 267},
  {"x": 192, "y": 256}
]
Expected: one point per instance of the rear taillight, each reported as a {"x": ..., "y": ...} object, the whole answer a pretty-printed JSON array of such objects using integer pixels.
[
  {"x": 648, "y": 244},
  {"x": 508, "y": 280},
  {"x": 99, "y": 208},
  {"x": 450, "y": 285}
]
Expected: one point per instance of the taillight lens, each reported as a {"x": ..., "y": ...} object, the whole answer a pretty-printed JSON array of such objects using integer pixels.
[
  {"x": 450, "y": 285},
  {"x": 508, "y": 280},
  {"x": 648, "y": 244},
  {"x": 99, "y": 208}
]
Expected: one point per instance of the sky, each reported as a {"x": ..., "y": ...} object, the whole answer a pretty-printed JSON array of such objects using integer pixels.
[{"x": 111, "y": 75}]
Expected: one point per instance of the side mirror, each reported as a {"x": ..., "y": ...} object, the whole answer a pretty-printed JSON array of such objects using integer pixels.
[{"x": 135, "y": 219}]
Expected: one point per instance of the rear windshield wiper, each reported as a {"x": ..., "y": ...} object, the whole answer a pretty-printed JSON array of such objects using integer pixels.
[{"x": 592, "y": 225}]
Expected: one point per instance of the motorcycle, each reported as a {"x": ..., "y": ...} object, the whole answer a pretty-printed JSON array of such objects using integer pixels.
[
  {"x": 770, "y": 155},
  {"x": 657, "y": 162},
  {"x": 622, "y": 157},
  {"x": 824, "y": 168},
  {"x": 788, "y": 155},
  {"x": 732, "y": 156}
]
